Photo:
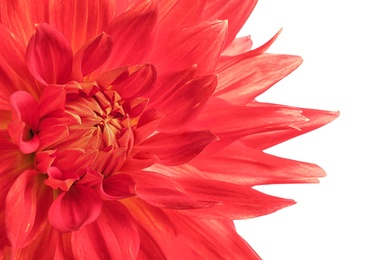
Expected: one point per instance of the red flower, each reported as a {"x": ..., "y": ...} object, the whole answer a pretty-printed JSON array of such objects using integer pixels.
[{"x": 129, "y": 130}]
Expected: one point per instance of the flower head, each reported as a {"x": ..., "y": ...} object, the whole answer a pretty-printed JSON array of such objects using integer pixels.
[{"x": 130, "y": 130}]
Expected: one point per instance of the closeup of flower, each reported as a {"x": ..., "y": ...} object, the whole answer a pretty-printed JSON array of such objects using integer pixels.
[{"x": 130, "y": 129}]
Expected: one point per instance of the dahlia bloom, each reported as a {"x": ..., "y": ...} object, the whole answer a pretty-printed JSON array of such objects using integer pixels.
[{"x": 130, "y": 130}]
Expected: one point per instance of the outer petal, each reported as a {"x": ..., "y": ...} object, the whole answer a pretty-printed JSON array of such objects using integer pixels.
[
  {"x": 81, "y": 20},
  {"x": 200, "y": 44},
  {"x": 20, "y": 16},
  {"x": 78, "y": 207},
  {"x": 112, "y": 236},
  {"x": 175, "y": 149},
  {"x": 13, "y": 71},
  {"x": 133, "y": 35},
  {"x": 237, "y": 201},
  {"x": 210, "y": 239},
  {"x": 27, "y": 205},
  {"x": 242, "y": 78},
  {"x": 235, "y": 11},
  {"x": 49, "y": 56},
  {"x": 243, "y": 165},
  {"x": 317, "y": 118},
  {"x": 234, "y": 122}
]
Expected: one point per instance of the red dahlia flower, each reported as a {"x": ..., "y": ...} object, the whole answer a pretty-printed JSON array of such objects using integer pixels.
[{"x": 130, "y": 130}]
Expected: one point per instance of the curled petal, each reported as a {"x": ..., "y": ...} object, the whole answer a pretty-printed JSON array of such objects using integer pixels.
[
  {"x": 49, "y": 56},
  {"x": 72, "y": 210},
  {"x": 25, "y": 122},
  {"x": 116, "y": 187}
]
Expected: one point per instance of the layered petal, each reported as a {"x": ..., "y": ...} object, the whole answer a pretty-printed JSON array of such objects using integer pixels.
[
  {"x": 186, "y": 103},
  {"x": 210, "y": 238},
  {"x": 112, "y": 236},
  {"x": 200, "y": 44},
  {"x": 164, "y": 192},
  {"x": 317, "y": 118},
  {"x": 14, "y": 75},
  {"x": 236, "y": 201},
  {"x": 26, "y": 208},
  {"x": 135, "y": 30},
  {"x": 244, "y": 165},
  {"x": 175, "y": 149},
  {"x": 235, "y": 11},
  {"x": 234, "y": 122},
  {"x": 81, "y": 20},
  {"x": 20, "y": 16},
  {"x": 244, "y": 77}
]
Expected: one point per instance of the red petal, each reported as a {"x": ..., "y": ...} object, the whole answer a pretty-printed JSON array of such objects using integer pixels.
[
  {"x": 26, "y": 209},
  {"x": 74, "y": 209},
  {"x": 235, "y": 11},
  {"x": 180, "y": 13},
  {"x": 116, "y": 187},
  {"x": 243, "y": 165},
  {"x": 242, "y": 78},
  {"x": 52, "y": 99},
  {"x": 22, "y": 15},
  {"x": 49, "y": 56},
  {"x": 200, "y": 44},
  {"x": 199, "y": 234},
  {"x": 169, "y": 83},
  {"x": 175, "y": 149},
  {"x": 234, "y": 122},
  {"x": 186, "y": 103},
  {"x": 13, "y": 71},
  {"x": 133, "y": 35},
  {"x": 163, "y": 192},
  {"x": 112, "y": 236},
  {"x": 147, "y": 125},
  {"x": 237, "y": 201},
  {"x": 140, "y": 81},
  {"x": 81, "y": 20},
  {"x": 26, "y": 118},
  {"x": 26, "y": 108},
  {"x": 94, "y": 53},
  {"x": 317, "y": 118},
  {"x": 238, "y": 46}
]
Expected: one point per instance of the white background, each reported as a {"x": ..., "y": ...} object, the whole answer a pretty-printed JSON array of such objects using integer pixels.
[{"x": 346, "y": 51}]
